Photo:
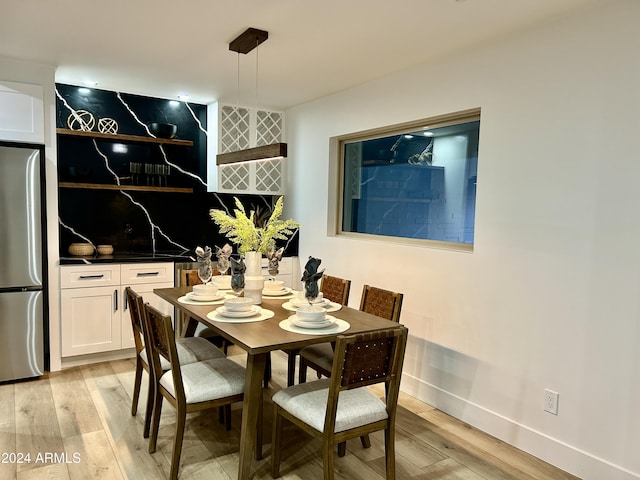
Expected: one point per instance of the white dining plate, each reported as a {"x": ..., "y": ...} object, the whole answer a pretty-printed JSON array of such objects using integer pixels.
[
  {"x": 250, "y": 312},
  {"x": 276, "y": 293},
  {"x": 263, "y": 314},
  {"x": 338, "y": 326},
  {"x": 299, "y": 301},
  {"x": 205, "y": 298},
  {"x": 299, "y": 322},
  {"x": 329, "y": 306}
]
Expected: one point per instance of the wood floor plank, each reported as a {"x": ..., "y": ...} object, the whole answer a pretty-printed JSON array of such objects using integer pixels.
[
  {"x": 518, "y": 463},
  {"x": 88, "y": 410},
  {"x": 74, "y": 407},
  {"x": 124, "y": 433},
  {"x": 56, "y": 471},
  {"x": 37, "y": 430},
  {"x": 96, "y": 457}
]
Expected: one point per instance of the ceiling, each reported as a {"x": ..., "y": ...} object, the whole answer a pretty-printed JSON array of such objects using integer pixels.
[{"x": 163, "y": 48}]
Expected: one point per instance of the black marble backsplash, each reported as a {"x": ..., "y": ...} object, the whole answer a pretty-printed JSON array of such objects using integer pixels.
[{"x": 131, "y": 220}]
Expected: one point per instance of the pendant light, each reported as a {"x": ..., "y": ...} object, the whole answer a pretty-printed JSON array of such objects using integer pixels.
[{"x": 244, "y": 43}]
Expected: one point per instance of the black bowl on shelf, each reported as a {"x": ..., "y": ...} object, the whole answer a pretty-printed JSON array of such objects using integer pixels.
[{"x": 163, "y": 130}]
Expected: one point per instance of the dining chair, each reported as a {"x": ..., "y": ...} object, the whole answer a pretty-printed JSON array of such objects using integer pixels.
[
  {"x": 334, "y": 289},
  {"x": 374, "y": 300},
  {"x": 188, "y": 388},
  {"x": 377, "y": 301},
  {"x": 341, "y": 407},
  {"x": 190, "y": 350}
]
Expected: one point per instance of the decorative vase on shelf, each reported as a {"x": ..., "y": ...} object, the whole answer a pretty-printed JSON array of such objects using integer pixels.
[{"x": 253, "y": 279}]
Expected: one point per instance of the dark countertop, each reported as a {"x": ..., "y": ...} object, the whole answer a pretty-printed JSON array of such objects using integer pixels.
[{"x": 128, "y": 257}]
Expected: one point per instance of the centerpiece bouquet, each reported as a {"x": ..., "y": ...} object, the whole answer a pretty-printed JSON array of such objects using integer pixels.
[{"x": 249, "y": 233}]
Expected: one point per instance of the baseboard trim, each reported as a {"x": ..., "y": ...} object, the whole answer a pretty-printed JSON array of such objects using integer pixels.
[
  {"x": 551, "y": 450},
  {"x": 79, "y": 360}
]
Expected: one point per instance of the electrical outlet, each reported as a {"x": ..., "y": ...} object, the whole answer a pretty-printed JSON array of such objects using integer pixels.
[{"x": 551, "y": 401}]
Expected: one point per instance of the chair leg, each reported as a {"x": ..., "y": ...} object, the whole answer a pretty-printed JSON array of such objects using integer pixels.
[
  {"x": 155, "y": 422},
  {"x": 327, "y": 458},
  {"x": 291, "y": 366},
  {"x": 267, "y": 371},
  {"x": 342, "y": 449},
  {"x": 181, "y": 417},
  {"x": 151, "y": 394},
  {"x": 389, "y": 452},
  {"x": 302, "y": 371},
  {"x": 227, "y": 417},
  {"x": 260, "y": 430},
  {"x": 366, "y": 441},
  {"x": 136, "y": 387},
  {"x": 276, "y": 442}
]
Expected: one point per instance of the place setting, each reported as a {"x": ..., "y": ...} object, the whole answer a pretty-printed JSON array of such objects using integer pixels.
[
  {"x": 313, "y": 320},
  {"x": 239, "y": 310},
  {"x": 204, "y": 294},
  {"x": 276, "y": 289},
  {"x": 298, "y": 300}
]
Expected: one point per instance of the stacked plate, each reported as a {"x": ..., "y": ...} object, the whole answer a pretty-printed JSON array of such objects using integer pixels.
[
  {"x": 311, "y": 316},
  {"x": 274, "y": 288},
  {"x": 238, "y": 307},
  {"x": 205, "y": 293}
]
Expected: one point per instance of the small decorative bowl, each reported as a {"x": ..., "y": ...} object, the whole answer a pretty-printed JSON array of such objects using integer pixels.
[
  {"x": 163, "y": 130},
  {"x": 273, "y": 285},
  {"x": 208, "y": 290},
  {"x": 105, "y": 249},
  {"x": 238, "y": 304},
  {"x": 81, "y": 249},
  {"x": 311, "y": 313},
  {"x": 222, "y": 281}
]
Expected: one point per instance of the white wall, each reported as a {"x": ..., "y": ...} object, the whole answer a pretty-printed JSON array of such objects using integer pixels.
[
  {"x": 550, "y": 297},
  {"x": 38, "y": 74}
]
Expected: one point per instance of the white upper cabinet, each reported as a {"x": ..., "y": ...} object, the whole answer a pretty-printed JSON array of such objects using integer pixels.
[
  {"x": 21, "y": 112},
  {"x": 240, "y": 128}
]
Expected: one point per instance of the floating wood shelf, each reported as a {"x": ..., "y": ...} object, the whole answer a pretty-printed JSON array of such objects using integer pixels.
[
  {"x": 123, "y": 138},
  {"x": 139, "y": 188}
]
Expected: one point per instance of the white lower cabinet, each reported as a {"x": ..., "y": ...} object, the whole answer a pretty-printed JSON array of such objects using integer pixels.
[{"x": 94, "y": 314}]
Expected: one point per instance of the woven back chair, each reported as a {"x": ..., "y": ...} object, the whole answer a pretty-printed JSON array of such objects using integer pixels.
[
  {"x": 189, "y": 350},
  {"x": 360, "y": 360},
  {"x": 383, "y": 303},
  {"x": 334, "y": 289},
  {"x": 188, "y": 388},
  {"x": 379, "y": 302}
]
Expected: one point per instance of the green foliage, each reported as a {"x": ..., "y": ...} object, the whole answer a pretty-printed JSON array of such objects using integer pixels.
[{"x": 243, "y": 231}]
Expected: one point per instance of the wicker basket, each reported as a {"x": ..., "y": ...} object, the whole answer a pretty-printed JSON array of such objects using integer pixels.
[
  {"x": 105, "y": 249},
  {"x": 81, "y": 249}
]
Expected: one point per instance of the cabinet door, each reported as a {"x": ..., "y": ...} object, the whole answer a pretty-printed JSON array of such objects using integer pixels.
[
  {"x": 21, "y": 112},
  {"x": 91, "y": 320},
  {"x": 146, "y": 290}
]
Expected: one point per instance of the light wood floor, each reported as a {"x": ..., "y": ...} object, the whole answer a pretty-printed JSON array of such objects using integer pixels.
[{"x": 77, "y": 424}]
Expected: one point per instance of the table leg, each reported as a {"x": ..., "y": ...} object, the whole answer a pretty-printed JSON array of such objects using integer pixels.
[{"x": 250, "y": 413}]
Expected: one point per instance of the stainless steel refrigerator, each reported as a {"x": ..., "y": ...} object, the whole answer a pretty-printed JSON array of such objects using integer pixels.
[{"x": 23, "y": 272}]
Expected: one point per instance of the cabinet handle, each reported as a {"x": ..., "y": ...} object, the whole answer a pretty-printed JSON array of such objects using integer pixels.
[
  {"x": 147, "y": 274},
  {"x": 115, "y": 299},
  {"x": 89, "y": 277}
]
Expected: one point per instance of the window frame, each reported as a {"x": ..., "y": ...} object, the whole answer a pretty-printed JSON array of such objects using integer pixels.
[{"x": 336, "y": 178}]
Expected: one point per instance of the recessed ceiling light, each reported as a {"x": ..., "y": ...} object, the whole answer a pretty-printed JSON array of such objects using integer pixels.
[{"x": 184, "y": 98}]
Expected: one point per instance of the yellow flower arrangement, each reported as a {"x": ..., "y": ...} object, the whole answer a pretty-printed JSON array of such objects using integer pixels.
[{"x": 243, "y": 231}]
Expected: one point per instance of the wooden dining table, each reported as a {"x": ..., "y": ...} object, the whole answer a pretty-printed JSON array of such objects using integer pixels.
[{"x": 258, "y": 339}]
